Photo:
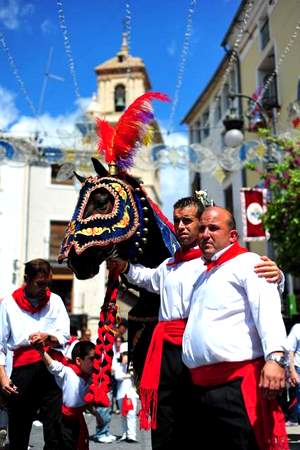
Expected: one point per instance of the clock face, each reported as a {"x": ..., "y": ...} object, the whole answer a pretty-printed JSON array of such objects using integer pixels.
[{"x": 254, "y": 213}]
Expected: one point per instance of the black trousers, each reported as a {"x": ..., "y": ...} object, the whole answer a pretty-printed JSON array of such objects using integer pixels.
[
  {"x": 70, "y": 432},
  {"x": 221, "y": 418},
  {"x": 38, "y": 392},
  {"x": 174, "y": 402}
]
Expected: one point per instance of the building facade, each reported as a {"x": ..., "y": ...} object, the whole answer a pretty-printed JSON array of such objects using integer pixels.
[
  {"x": 35, "y": 206},
  {"x": 266, "y": 64}
]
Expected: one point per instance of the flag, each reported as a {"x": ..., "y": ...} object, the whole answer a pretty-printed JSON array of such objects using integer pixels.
[{"x": 254, "y": 204}]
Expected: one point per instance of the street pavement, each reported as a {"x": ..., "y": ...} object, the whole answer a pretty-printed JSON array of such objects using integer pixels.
[{"x": 144, "y": 440}]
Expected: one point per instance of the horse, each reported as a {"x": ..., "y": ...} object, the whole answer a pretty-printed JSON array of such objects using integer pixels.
[{"x": 115, "y": 216}]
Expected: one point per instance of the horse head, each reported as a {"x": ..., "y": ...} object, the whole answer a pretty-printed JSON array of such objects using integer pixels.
[{"x": 114, "y": 215}]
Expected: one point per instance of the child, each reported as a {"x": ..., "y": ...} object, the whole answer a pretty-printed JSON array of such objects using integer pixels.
[
  {"x": 126, "y": 396},
  {"x": 73, "y": 379}
]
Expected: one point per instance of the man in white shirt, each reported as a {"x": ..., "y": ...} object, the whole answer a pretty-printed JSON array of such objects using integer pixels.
[
  {"x": 233, "y": 344},
  {"x": 166, "y": 380},
  {"x": 32, "y": 315}
]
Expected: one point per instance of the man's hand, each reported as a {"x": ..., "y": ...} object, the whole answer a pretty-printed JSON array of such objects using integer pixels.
[
  {"x": 38, "y": 339},
  {"x": 118, "y": 264},
  {"x": 269, "y": 270},
  {"x": 294, "y": 378},
  {"x": 7, "y": 386},
  {"x": 272, "y": 379}
]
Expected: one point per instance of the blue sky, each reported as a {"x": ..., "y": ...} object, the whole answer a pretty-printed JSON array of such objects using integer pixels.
[{"x": 31, "y": 27}]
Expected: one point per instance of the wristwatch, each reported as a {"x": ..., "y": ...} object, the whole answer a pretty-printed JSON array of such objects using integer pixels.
[{"x": 280, "y": 359}]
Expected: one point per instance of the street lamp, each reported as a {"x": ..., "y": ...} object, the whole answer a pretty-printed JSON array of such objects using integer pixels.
[{"x": 234, "y": 123}]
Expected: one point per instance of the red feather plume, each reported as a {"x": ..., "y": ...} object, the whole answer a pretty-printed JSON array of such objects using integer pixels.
[{"x": 120, "y": 143}]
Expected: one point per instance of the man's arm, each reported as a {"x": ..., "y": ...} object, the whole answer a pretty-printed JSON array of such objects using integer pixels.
[
  {"x": 6, "y": 384},
  {"x": 294, "y": 377},
  {"x": 265, "y": 305},
  {"x": 269, "y": 270},
  {"x": 141, "y": 276}
]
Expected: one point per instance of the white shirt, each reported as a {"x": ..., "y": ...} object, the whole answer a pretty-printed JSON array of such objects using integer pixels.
[
  {"x": 234, "y": 316},
  {"x": 174, "y": 284},
  {"x": 293, "y": 343},
  {"x": 16, "y": 325},
  {"x": 125, "y": 385},
  {"x": 73, "y": 387}
]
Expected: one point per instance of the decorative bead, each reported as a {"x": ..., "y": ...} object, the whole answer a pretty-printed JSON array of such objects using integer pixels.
[
  {"x": 145, "y": 230},
  {"x": 137, "y": 244},
  {"x": 143, "y": 199},
  {"x": 140, "y": 251},
  {"x": 138, "y": 233},
  {"x": 146, "y": 220},
  {"x": 145, "y": 209},
  {"x": 137, "y": 190},
  {"x": 144, "y": 240}
]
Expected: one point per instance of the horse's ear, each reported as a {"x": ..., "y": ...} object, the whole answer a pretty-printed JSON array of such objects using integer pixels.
[
  {"x": 99, "y": 168},
  {"x": 79, "y": 177}
]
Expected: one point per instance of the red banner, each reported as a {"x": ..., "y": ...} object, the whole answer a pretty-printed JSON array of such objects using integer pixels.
[{"x": 254, "y": 204}]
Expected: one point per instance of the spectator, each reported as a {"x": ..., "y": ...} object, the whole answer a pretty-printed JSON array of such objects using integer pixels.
[
  {"x": 126, "y": 395},
  {"x": 32, "y": 315}
]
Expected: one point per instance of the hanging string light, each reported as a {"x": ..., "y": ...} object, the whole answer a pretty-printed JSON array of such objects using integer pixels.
[
  {"x": 127, "y": 23},
  {"x": 182, "y": 63},
  {"x": 16, "y": 74},
  {"x": 67, "y": 45},
  {"x": 245, "y": 15}
]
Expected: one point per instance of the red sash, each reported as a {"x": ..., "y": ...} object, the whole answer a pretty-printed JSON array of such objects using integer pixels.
[
  {"x": 24, "y": 356},
  {"x": 127, "y": 405},
  {"x": 233, "y": 251},
  {"x": 265, "y": 416},
  {"x": 185, "y": 255},
  {"x": 23, "y": 302},
  {"x": 76, "y": 415},
  {"x": 169, "y": 331}
]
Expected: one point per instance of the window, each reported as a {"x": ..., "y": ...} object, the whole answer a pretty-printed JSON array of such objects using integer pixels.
[
  {"x": 264, "y": 33},
  {"x": 270, "y": 98},
  {"x": 205, "y": 121},
  {"x": 54, "y": 171},
  {"x": 197, "y": 132},
  {"x": 218, "y": 110},
  {"x": 228, "y": 198},
  {"x": 120, "y": 98},
  {"x": 57, "y": 233},
  {"x": 62, "y": 280},
  {"x": 226, "y": 103}
]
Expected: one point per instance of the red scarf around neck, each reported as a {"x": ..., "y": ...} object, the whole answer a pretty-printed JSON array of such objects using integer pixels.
[
  {"x": 20, "y": 297},
  {"x": 185, "y": 255},
  {"x": 231, "y": 253}
]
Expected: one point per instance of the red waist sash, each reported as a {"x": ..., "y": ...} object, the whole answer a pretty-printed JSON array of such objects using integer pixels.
[
  {"x": 24, "y": 356},
  {"x": 168, "y": 331},
  {"x": 76, "y": 414},
  {"x": 265, "y": 415}
]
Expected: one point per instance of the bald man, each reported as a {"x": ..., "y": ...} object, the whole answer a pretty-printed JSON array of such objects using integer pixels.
[{"x": 233, "y": 344}]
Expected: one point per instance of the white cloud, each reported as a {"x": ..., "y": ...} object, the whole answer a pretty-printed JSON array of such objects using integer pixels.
[
  {"x": 47, "y": 26},
  {"x": 8, "y": 110},
  {"x": 55, "y": 131},
  {"x": 172, "y": 47},
  {"x": 11, "y": 11}
]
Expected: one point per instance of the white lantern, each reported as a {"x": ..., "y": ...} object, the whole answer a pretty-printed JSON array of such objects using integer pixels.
[{"x": 233, "y": 138}]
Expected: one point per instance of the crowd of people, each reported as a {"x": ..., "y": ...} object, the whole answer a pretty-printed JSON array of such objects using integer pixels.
[{"x": 218, "y": 355}]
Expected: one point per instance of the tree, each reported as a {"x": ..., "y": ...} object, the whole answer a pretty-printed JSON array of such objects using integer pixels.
[{"x": 282, "y": 218}]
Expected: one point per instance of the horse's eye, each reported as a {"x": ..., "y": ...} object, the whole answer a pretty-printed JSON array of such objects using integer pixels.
[{"x": 99, "y": 203}]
